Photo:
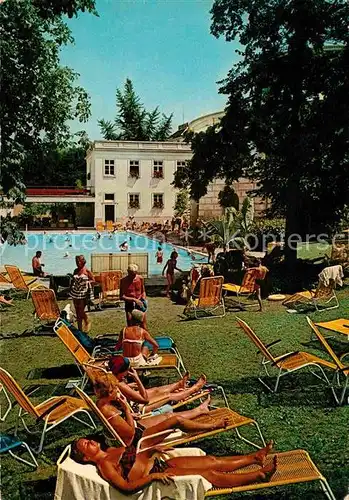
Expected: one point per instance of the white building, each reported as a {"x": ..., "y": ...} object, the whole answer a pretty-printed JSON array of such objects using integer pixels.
[{"x": 134, "y": 178}]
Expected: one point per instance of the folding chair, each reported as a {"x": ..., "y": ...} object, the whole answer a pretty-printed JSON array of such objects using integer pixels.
[
  {"x": 294, "y": 467},
  {"x": 324, "y": 296},
  {"x": 286, "y": 363},
  {"x": 340, "y": 368},
  {"x": 210, "y": 299},
  {"x": 46, "y": 307},
  {"x": 248, "y": 288},
  {"x": 52, "y": 412},
  {"x": 175, "y": 438},
  {"x": 21, "y": 283},
  {"x": 9, "y": 443},
  {"x": 110, "y": 287}
]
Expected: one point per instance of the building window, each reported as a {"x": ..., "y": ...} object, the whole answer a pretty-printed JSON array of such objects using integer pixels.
[
  {"x": 109, "y": 168},
  {"x": 134, "y": 169},
  {"x": 158, "y": 169},
  {"x": 181, "y": 165},
  {"x": 158, "y": 201},
  {"x": 109, "y": 197},
  {"x": 133, "y": 200}
]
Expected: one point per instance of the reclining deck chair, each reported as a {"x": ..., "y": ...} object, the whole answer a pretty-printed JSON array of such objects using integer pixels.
[
  {"x": 294, "y": 467},
  {"x": 248, "y": 288},
  {"x": 51, "y": 412},
  {"x": 175, "y": 438},
  {"x": 340, "y": 368},
  {"x": 286, "y": 363},
  {"x": 324, "y": 295},
  {"x": 210, "y": 299},
  {"x": 110, "y": 287},
  {"x": 22, "y": 283},
  {"x": 9, "y": 443},
  {"x": 46, "y": 307},
  {"x": 82, "y": 357}
]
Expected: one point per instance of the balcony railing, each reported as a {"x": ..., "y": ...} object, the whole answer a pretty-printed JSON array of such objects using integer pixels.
[{"x": 57, "y": 191}]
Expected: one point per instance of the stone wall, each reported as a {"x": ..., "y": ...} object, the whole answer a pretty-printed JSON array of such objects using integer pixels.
[{"x": 210, "y": 208}]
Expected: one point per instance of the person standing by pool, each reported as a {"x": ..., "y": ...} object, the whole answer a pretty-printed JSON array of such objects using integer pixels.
[
  {"x": 132, "y": 291},
  {"x": 37, "y": 265},
  {"x": 81, "y": 291},
  {"x": 170, "y": 267}
]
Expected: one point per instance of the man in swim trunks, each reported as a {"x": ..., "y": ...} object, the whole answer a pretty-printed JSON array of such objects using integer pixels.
[
  {"x": 113, "y": 465},
  {"x": 132, "y": 291}
]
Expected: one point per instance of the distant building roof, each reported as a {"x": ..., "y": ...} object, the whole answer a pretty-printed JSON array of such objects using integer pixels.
[{"x": 199, "y": 124}]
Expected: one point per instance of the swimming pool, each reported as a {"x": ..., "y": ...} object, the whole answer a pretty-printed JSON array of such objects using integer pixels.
[{"x": 55, "y": 246}]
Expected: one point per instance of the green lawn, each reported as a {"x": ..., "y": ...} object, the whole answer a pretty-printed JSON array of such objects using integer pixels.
[
  {"x": 313, "y": 250},
  {"x": 297, "y": 417}
]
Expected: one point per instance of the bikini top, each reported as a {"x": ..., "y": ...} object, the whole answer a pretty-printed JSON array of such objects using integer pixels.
[{"x": 132, "y": 341}]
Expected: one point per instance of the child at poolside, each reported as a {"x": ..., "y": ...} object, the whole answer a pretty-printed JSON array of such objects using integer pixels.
[{"x": 170, "y": 267}]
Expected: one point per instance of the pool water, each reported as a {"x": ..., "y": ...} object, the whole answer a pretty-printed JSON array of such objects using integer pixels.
[{"x": 59, "y": 250}]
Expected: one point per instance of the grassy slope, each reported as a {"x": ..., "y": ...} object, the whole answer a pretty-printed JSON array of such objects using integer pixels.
[{"x": 297, "y": 417}]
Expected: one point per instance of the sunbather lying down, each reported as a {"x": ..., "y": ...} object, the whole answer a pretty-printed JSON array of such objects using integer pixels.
[
  {"x": 114, "y": 406},
  {"x": 147, "y": 468},
  {"x": 136, "y": 392}
]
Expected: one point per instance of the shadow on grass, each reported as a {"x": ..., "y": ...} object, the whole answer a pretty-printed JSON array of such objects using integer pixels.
[
  {"x": 298, "y": 391},
  {"x": 55, "y": 372}
]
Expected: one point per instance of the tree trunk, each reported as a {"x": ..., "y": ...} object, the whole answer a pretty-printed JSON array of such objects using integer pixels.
[{"x": 293, "y": 224}]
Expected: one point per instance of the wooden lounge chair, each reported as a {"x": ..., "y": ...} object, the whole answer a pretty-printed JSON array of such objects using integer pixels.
[
  {"x": 110, "y": 287},
  {"x": 323, "y": 298},
  {"x": 99, "y": 226},
  {"x": 210, "y": 299},
  {"x": 248, "y": 288},
  {"x": 51, "y": 412},
  {"x": 21, "y": 283},
  {"x": 46, "y": 307},
  {"x": 82, "y": 357},
  {"x": 286, "y": 363},
  {"x": 175, "y": 438},
  {"x": 294, "y": 467},
  {"x": 340, "y": 368}
]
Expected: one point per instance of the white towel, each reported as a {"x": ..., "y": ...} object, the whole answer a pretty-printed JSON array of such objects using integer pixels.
[
  {"x": 334, "y": 273},
  {"x": 82, "y": 482}
]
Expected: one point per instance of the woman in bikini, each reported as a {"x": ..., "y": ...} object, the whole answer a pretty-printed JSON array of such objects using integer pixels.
[
  {"x": 114, "y": 406},
  {"x": 131, "y": 474},
  {"x": 132, "y": 340},
  {"x": 152, "y": 398}
]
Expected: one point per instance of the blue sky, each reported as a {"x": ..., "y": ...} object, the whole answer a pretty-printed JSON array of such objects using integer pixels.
[{"x": 163, "y": 46}]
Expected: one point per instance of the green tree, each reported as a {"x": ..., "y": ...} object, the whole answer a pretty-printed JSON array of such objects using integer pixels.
[
  {"x": 286, "y": 122},
  {"x": 39, "y": 96},
  {"x": 133, "y": 122},
  {"x": 182, "y": 203}
]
